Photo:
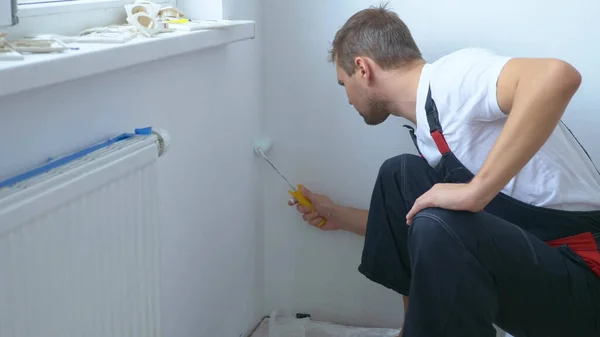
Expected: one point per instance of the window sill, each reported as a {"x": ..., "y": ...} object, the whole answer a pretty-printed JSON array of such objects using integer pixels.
[{"x": 39, "y": 70}]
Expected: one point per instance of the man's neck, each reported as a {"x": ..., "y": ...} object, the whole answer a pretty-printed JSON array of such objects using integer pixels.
[{"x": 400, "y": 87}]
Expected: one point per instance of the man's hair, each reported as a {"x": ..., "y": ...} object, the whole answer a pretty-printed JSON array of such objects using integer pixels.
[{"x": 377, "y": 33}]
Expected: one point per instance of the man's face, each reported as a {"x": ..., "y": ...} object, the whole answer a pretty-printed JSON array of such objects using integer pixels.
[{"x": 362, "y": 96}]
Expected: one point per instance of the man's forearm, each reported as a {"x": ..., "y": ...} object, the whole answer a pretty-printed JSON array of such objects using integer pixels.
[
  {"x": 539, "y": 99},
  {"x": 352, "y": 219}
]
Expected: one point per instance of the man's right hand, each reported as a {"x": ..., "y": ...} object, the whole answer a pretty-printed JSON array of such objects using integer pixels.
[
  {"x": 338, "y": 217},
  {"x": 324, "y": 209}
]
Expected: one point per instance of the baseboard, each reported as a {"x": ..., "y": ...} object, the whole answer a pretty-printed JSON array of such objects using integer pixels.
[{"x": 249, "y": 333}]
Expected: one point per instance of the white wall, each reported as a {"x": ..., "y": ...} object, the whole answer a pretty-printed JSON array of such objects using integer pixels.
[
  {"x": 211, "y": 257},
  {"x": 310, "y": 120},
  {"x": 214, "y": 256}
]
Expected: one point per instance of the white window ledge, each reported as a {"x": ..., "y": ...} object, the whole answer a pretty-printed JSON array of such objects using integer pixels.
[{"x": 39, "y": 70}]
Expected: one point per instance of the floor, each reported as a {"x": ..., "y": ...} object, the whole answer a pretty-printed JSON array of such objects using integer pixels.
[{"x": 279, "y": 326}]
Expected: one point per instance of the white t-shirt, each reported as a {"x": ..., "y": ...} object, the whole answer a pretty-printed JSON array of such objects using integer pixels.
[{"x": 463, "y": 86}]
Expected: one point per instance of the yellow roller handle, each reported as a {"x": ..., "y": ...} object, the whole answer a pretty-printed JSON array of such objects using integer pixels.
[{"x": 305, "y": 202}]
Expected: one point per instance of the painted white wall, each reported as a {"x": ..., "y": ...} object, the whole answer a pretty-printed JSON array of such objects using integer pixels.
[
  {"x": 310, "y": 120},
  {"x": 214, "y": 257},
  {"x": 209, "y": 102},
  {"x": 202, "y": 9}
]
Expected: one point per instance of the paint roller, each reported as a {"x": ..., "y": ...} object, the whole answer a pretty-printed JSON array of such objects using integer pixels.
[{"x": 262, "y": 146}]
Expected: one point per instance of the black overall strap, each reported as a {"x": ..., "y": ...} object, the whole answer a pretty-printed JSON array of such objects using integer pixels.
[
  {"x": 411, "y": 131},
  {"x": 435, "y": 128}
]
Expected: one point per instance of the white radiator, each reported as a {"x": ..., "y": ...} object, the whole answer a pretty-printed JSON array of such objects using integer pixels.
[{"x": 79, "y": 243}]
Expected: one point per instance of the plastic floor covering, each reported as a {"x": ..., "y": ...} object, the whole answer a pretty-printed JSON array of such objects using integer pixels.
[{"x": 279, "y": 326}]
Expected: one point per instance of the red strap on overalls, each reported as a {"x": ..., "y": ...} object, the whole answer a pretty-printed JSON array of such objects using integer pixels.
[
  {"x": 440, "y": 142},
  {"x": 585, "y": 246},
  {"x": 435, "y": 128}
]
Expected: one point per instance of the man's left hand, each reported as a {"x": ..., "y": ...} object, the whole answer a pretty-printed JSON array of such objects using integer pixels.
[{"x": 457, "y": 197}]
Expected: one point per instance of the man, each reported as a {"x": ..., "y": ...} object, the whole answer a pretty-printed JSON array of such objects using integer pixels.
[{"x": 498, "y": 219}]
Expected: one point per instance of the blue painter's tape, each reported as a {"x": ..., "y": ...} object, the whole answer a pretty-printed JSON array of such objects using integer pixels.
[
  {"x": 144, "y": 131},
  {"x": 65, "y": 160}
]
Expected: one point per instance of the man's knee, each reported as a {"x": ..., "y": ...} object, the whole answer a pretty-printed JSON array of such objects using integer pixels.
[
  {"x": 434, "y": 226},
  {"x": 401, "y": 164},
  {"x": 401, "y": 180}
]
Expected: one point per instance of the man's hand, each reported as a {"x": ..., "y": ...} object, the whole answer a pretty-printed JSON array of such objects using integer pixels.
[
  {"x": 457, "y": 197},
  {"x": 324, "y": 208},
  {"x": 338, "y": 217}
]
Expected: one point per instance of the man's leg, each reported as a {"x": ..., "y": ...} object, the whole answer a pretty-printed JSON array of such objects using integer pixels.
[
  {"x": 385, "y": 259},
  {"x": 443, "y": 266},
  {"x": 472, "y": 270}
]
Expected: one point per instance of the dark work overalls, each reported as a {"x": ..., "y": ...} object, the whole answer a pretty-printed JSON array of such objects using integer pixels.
[{"x": 527, "y": 269}]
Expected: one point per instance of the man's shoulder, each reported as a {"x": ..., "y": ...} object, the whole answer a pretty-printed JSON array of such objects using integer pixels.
[
  {"x": 465, "y": 59},
  {"x": 466, "y": 80},
  {"x": 473, "y": 51}
]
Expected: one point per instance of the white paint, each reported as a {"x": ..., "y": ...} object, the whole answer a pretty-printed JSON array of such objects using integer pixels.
[
  {"x": 308, "y": 116},
  {"x": 262, "y": 145},
  {"x": 40, "y": 70},
  {"x": 209, "y": 102}
]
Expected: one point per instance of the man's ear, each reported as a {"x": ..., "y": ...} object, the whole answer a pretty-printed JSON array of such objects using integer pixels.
[{"x": 364, "y": 69}]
